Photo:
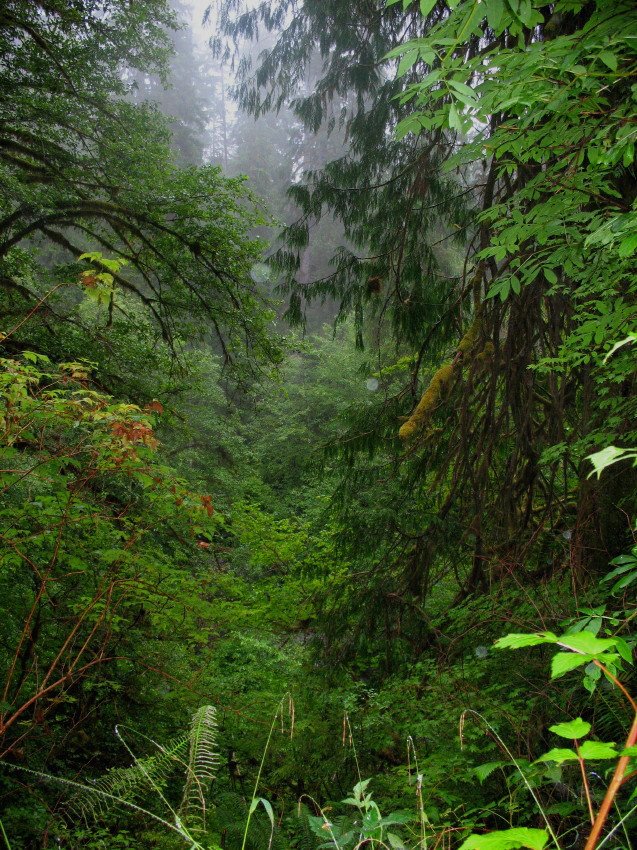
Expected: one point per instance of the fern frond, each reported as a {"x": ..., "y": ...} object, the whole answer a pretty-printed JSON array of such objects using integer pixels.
[
  {"x": 128, "y": 784},
  {"x": 203, "y": 763},
  {"x": 107, "y": 800}
]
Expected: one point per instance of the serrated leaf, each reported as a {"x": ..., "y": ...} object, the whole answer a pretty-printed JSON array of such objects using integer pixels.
[
  {"x": 507, "y": 839},
  {"x": 558, "y": 755},
  {"x": 564, "y": 662},
  {"x": 577, "y": 728},
  {"x": 483, "y": 771},
  {"x": 586, "y": 642},
  {"x": 598, "y": 750},
  {"x": 518, "y": 641}
]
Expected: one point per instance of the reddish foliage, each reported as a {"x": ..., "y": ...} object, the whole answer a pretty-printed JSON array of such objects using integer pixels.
[
  {"x": 155, "y": 407},
  {"x": 134, "y": 432}
]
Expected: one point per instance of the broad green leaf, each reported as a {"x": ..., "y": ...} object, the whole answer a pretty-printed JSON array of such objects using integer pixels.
[
  {"x": 586, "y": 642},
  {"x": 607, "y": 457},
  {"x": 564, "y": 662},
  {"x": 598, "y": 750},
  {"x": 517, "y": 641},
  {"x": 626, "y": 562},
  {"x": 621, "y": 584},
  {"x": 558, "y": 755},
  {"x": 609, "y": 59},
  {"x": 507, "y": 839},
  {"x": 622, "y": 647},
  {"x": 628, "y": 246},
  {"x": 577, "y": 728},
  {"x": 629, "y": 751}
]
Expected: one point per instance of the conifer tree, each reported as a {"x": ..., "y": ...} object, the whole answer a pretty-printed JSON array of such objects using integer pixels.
[{"x": 489, "y": 407}]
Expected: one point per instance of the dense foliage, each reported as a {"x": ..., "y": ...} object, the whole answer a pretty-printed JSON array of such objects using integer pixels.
[{"x": 244, "y": 568}]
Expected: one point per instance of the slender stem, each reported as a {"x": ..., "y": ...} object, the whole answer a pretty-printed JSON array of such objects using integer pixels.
[
  {"x": 611, "y": 791},
  {"x": 421, "y": 807},
  {"x": 4, "y": 835},
  {"x": 587, "y": 790},
  {"x": 258, "y": 779},
  {"x": 623, "y": 826},
  {"x": 34, "y": 310},
  {"x": 326, "y": 824},
  {"x": 353, "y": 746},
  {"x": 610, "y": 834}
]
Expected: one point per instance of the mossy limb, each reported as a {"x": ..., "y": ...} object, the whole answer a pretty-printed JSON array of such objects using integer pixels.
[
  {"x": 471, "y": 336},
  {"x": 429, "y": 401},
  {"x": 441, "y": 379}
]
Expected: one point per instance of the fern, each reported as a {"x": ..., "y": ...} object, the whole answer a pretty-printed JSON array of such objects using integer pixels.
[
  {"x": 202, "y": 766},
  {"x": 305, "y": 839},
  {"x": 193, "y": 753},
  {"x": 127, "y": 785}
]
